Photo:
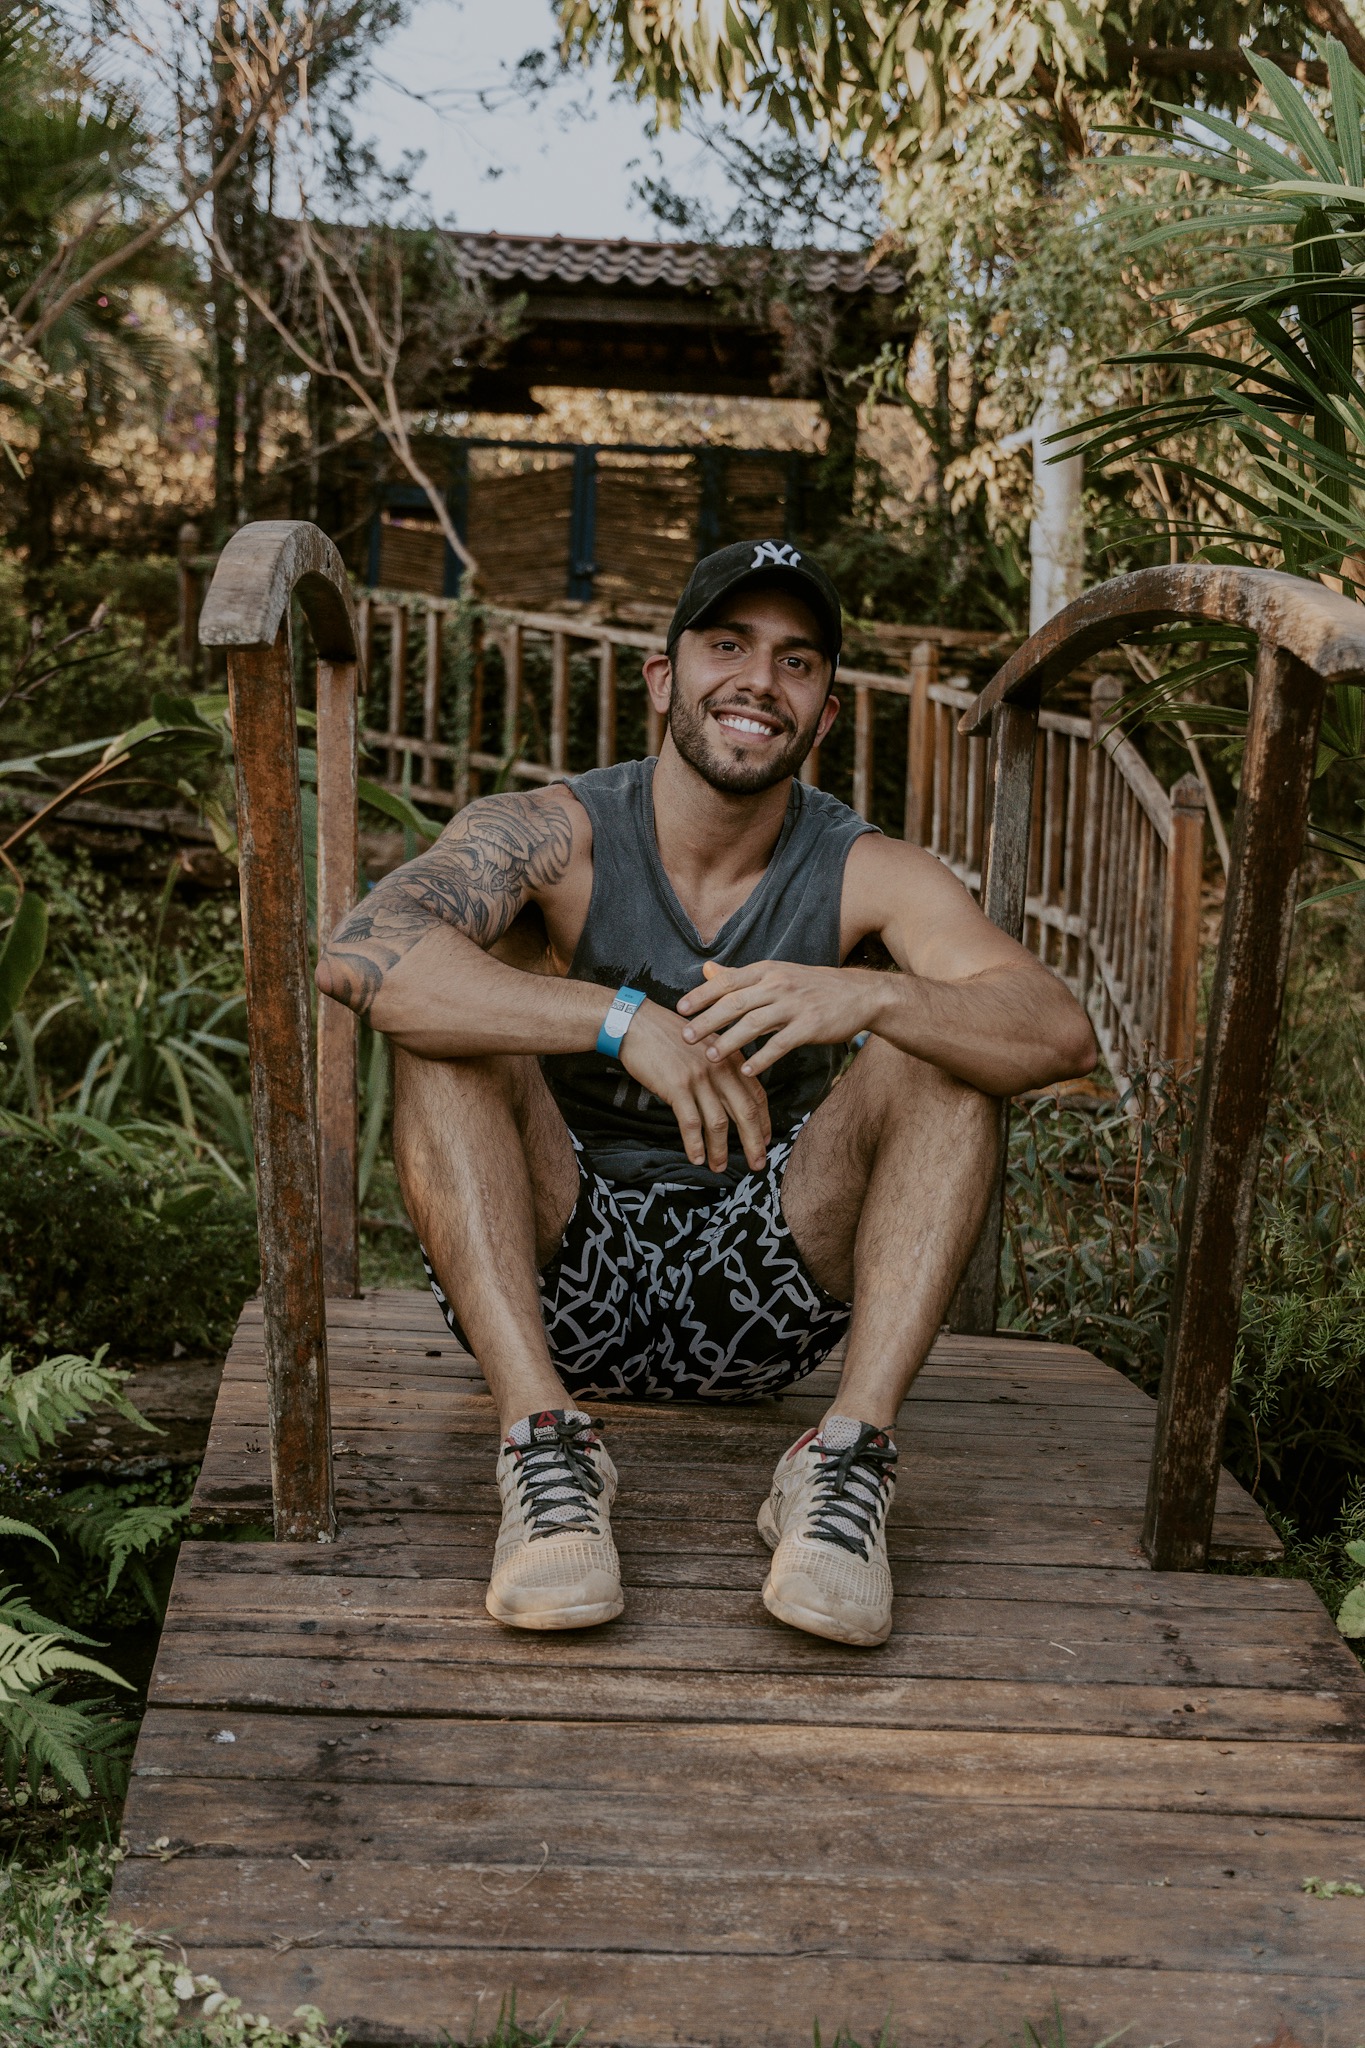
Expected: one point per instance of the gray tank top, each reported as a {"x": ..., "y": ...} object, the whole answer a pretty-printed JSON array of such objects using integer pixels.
[{"x": 637, "y": 934}]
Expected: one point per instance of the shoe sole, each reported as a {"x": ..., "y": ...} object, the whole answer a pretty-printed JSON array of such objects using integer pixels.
[
  {"x": 590, "y": 1615},
  {"x": 767, "y": 1525},
  {"x": 816, "y": 1624}
]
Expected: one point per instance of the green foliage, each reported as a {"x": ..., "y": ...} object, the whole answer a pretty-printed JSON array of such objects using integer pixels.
[
  {"x": 37, "y": 1734},
  {"x": 1261, "y": 352},
  {"x": 78, "y": 1744},
  {"x": 104, "y": 1527},
  {"x": 97, "y": 1253},
  {"x": 38, "y": 1406},
  {"x": 1351, "y": 1613},
  {"x": 21, "y": 950},
  {"x": 69, "y": 1975}
]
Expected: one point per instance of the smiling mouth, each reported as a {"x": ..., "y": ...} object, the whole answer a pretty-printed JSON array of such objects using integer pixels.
[{"x": 747, "y": 725}]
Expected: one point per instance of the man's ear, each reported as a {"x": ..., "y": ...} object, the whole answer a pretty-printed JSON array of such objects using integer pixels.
[
  {"x": 827, "y": 718},
  {"x": 658, "y": 675}
]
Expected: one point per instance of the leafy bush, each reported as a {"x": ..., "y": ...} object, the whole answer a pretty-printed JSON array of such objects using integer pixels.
[
  {"x": 39, "y": 1735},
  {"x": 67, "y": 1974},
  {"x": 92, "y": 1253}
]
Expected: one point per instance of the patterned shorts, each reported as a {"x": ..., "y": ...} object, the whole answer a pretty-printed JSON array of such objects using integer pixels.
[{"x": 670, "y": 1293}]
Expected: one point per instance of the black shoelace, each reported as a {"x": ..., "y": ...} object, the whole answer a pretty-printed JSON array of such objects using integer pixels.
[
  {"x": 558, "y": 1479},
  {"x": 852, "y": 1488}
]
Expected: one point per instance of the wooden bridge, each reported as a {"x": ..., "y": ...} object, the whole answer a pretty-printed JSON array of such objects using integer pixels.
[{"x": 1068, "y": 1777}]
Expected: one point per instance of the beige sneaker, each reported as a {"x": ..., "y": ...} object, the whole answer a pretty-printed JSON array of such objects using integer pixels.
[
  {"x": 826, "y": 1521},
  {"x": 555, "y": 1565}
]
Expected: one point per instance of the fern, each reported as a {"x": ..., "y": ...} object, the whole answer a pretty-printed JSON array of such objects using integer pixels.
[
  {"x": 9, "y": 1527},
  {"x": 137, "y": 1530},
  {"x": 16, "y": 1613},
  {"x": 78, "y": 1744},
  {"x": 102, "y": 1529},
  {"x": 37, "y": 1733},
  {"x": 38, "y": 1406},
  {"x": 28, "y": 1661}
]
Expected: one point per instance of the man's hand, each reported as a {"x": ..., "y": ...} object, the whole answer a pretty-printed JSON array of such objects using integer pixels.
[
  {"x": 781, "y": 1001},
  {"x": 705, "y": 1090}
]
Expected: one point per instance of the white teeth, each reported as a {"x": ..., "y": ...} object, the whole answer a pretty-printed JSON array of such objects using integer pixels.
[{"x": 744, "y": 724}]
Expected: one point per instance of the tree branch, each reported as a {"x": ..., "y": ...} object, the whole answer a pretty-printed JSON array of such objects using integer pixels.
[
  {"x": 388, "y": 417},
  {"x": 1151, "y": 61}
]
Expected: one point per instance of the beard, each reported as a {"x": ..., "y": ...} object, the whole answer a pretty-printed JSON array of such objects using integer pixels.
[{"x": 700, "y": 746}]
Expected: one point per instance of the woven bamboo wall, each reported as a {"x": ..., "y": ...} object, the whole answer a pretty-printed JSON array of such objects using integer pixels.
[
  {"x": 646, "y": 530},
  {"x": 518, "y": 530}
]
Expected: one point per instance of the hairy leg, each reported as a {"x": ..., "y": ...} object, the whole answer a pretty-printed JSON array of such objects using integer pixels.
[
  {"x": 885, "y": 1193},
  {"x": 489, "y": 1177}
]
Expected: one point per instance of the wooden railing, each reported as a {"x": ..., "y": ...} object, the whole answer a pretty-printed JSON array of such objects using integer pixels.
[
  {"x": 1307, "y": 638},
  {"x": 1115, "y": 864}
]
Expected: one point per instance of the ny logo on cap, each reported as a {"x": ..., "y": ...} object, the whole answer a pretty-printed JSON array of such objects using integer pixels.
[{"x": 780, "y": 553}]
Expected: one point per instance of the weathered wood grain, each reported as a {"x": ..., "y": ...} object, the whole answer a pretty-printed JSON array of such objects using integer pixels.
[{"x": 1063, "y": 1776}]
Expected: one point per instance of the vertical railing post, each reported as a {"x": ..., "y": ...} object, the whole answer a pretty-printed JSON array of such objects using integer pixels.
[
  {"x": 338, "y": 1028},
  {"x": 559, "y": 702},
  {"x": 512, "y": 650},
  {"x": 275, "y": 938},
  {"x": 606, "y": 703},
  {"x": 1104, "y": 694},
  {"x": 919, "y": 746},
  {"x": 1014, "y": 730},
  {"x": 188, "y": 592},
  {"x": 862, "y": 750},
  {"x": 1239, "y": 1057},
  {"x": 431, "y": 692},
  {"x": 1180, "y": 925}
]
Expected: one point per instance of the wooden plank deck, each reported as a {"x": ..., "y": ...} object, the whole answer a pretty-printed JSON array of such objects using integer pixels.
[{"x": 1065, "y": 1777}]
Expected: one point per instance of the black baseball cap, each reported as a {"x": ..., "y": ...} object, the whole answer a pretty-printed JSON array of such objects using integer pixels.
[{"x": 715, "y": 576}]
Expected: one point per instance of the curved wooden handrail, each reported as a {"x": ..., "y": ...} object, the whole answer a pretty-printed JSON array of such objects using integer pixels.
[
  {"x": 1324, "y": 631},
  {"x": 1308, "y": 637},
  {"x": 260, "y": 570},
  {"x": 305, "y": 1178}
]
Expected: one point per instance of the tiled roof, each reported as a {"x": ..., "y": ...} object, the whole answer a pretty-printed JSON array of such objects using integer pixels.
[{"x": 560, "y": 259}]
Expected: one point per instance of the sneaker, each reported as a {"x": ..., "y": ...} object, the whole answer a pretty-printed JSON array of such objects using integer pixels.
[
  {"x": 555, "y": 1565},
  {"x": 826, "y": 1521}
]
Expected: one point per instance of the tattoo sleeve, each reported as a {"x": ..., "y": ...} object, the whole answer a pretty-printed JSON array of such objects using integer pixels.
[{"x": 481, "y": 872}]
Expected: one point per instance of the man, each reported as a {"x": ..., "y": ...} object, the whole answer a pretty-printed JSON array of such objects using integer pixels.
[{"x": 618, "y": 1011}]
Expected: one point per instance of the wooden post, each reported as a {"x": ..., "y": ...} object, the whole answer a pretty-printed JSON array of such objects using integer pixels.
[
  {"x": 338, "y": 1029},
  {"x": 862, "y": 750},
  {"x": 467, "y": 784},
  {"x": 511, "y": 690},
  {"x": 1105, "y": 692},
  {"x": 275, "y": 939},
  {"x": 398, "y": 683},
  {"x": 1180, "y": 924},
  {"x": 431, "y": 693},
  {"x": 559, "y": 702},
  {"x": 1004, "y": 885},
  {"x": 606, "y": 704},
  {"x": 1239, "y": 1055},
  {"x": 919, "y": 746},
  {"x": 188, "y": 593}
]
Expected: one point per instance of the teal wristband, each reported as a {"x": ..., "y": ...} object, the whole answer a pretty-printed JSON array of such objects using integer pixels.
[{"x": 616, "y": 1023}]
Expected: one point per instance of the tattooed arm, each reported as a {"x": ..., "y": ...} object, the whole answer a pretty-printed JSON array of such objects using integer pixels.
[
  {"x": 417, "y": 958},
  {"x": 414, "y": 956}
]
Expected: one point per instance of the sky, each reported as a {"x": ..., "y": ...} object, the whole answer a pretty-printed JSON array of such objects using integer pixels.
[{"x": 563, "y": 166}]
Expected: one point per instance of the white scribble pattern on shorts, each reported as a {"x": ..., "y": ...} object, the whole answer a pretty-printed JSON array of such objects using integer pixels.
[{"x": 655, "y": 1297}]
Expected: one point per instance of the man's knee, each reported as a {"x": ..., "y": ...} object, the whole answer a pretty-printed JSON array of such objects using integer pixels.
[
  {"x": 429, "y": 1095},
  {"x": 897, "y": 1083}
]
